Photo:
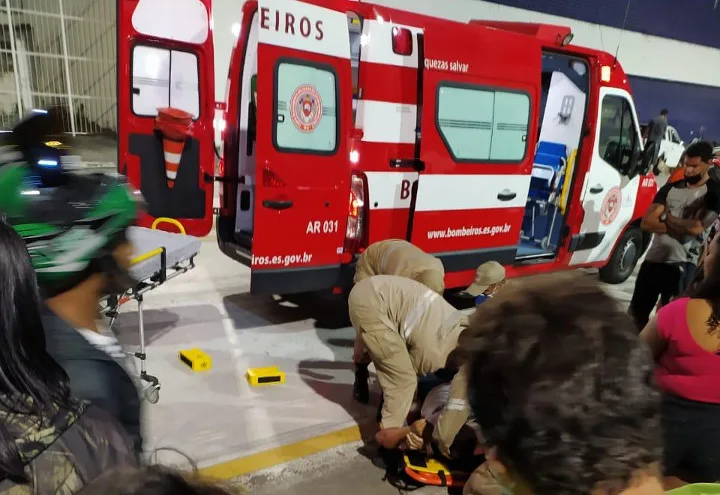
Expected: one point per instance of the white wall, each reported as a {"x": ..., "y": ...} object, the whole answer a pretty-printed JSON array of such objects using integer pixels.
[
  {"x": 640, "y": 54},
  {"x": 553, "y": 129},
  {"x": 91, "y": 45}
]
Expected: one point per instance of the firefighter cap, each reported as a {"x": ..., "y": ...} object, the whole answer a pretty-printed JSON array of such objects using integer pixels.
[{"x": 490, "y": 272}]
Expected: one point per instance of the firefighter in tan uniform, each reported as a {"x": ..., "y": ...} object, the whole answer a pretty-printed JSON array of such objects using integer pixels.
[
  {"x": 446, "y": 425},
  {"x": 398, "y": 257},
  {"x": 489, "y": 278},
  {"x": 392, "y": 257},
  {"x": 409, "y": 331}
]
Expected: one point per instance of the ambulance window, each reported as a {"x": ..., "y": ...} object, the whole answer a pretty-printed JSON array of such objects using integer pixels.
[
  {"x": 164, "y": 78},
  {"x": 306, "y": 106},
  {"x": 618, "y": 142},
  {"x": 483, "y": 124}
]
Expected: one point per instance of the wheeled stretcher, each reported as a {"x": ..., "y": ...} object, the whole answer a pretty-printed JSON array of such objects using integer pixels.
[{"x": 160, "y": 256}]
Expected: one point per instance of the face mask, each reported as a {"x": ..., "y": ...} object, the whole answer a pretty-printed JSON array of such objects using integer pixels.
[
  {"x": 481, "y": 299},
  {"x": 693, "y": 179}
]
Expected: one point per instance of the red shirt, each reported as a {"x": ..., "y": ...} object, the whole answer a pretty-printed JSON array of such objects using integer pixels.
[{"x": 685, "y": 369}]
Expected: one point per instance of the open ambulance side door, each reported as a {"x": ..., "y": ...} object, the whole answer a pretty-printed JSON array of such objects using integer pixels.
[
  {"x": 612, "y": 184},
  {"x": 302, "y": 179},
  {"x": 480, "y": 92},
  {"x": 166, "y": 102}
]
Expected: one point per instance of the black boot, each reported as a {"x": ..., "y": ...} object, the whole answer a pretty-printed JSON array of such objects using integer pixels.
[{"x": 361, "y": 390}]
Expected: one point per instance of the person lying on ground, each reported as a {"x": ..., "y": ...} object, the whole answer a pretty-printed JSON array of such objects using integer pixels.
[
  {"x": 563, "y": 392},
  {"x": 409, "y": 331},
  {"x": 449, "y": 430},
  {"x": 50, "y": 442},
  {"x": 684, "y": 337},
  {"x": 444, "y": 427},
  {"x": 391, "y": 257}
]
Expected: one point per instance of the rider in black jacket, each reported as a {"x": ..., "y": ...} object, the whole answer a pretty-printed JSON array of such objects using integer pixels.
[{"x": 75, "y": 227}]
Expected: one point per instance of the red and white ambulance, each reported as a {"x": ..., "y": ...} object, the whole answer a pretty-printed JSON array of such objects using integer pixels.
[{"x": 348, "y": 123}]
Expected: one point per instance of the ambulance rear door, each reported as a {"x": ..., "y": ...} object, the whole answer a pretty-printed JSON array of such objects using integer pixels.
[
  {"x": 479, "y": 128},
  {"x": 165, "y": 110},
  {"x": 304, "y": 102}
]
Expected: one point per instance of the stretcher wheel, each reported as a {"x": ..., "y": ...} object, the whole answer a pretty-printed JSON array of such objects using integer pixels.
[{"x": 152, "y": 394}]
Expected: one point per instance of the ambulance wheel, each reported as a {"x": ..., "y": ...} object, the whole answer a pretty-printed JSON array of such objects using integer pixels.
[{"x": 624, "y": 258}]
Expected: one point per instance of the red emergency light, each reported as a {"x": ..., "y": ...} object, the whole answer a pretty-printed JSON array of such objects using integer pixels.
[{"x": 402, "y": 42}]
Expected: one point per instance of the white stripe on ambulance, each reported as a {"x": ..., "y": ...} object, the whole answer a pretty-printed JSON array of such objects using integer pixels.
[
  {"x": 471, "y": 192},
  {"x": 386, "y": 122},
  {"x": 305, "y": 27},
  {"x": 377, "y": 46},
  {"x": 392, "y": 190}
]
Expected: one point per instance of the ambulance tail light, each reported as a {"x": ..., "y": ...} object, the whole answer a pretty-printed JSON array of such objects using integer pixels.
[
  {"x": 402, "y": 41},
  {"x": 355, "y": 232},
  {"x": 271, "y": 179}
]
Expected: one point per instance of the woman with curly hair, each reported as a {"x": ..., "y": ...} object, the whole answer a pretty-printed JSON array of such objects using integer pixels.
[{"x": 562, "y": 391}]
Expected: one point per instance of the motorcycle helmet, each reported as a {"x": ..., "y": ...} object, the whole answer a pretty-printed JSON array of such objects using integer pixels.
[{"x": 72, "y": 223}]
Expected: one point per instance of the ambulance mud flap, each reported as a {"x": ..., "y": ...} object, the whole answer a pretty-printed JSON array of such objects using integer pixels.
[{"x": 293, "y": 280}]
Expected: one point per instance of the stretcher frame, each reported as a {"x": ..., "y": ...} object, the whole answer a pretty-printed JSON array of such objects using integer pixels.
[{"x": 110, "y": 305}]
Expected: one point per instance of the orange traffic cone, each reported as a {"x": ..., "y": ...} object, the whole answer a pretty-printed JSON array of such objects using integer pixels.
[
  {"x": 173, "y": 152},
  {"x": 175, "y": 125}
]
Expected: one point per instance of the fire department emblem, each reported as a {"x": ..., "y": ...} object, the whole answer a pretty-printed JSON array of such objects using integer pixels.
[
  {"x": 306, "y": 108},
  {"x": 611, "y": 206}
]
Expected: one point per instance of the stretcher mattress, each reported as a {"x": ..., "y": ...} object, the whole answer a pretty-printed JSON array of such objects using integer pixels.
[{"x": 178, "y": 248}]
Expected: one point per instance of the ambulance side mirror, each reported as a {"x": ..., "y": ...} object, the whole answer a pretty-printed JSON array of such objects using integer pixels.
[
  {"x": 640, "y": 161},
  {"x": 646, "y": 158}
]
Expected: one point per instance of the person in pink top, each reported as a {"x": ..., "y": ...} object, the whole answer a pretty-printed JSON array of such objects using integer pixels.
[{"x": 685, "y": 339}]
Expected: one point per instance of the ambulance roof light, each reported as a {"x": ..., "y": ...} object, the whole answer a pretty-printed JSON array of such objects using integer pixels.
[
  {"x": 605, "y": 73},
  {"x": 564, "y": 40}
]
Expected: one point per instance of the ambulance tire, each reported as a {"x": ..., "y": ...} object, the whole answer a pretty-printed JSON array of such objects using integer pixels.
[{"x": 624, "y": 258}]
